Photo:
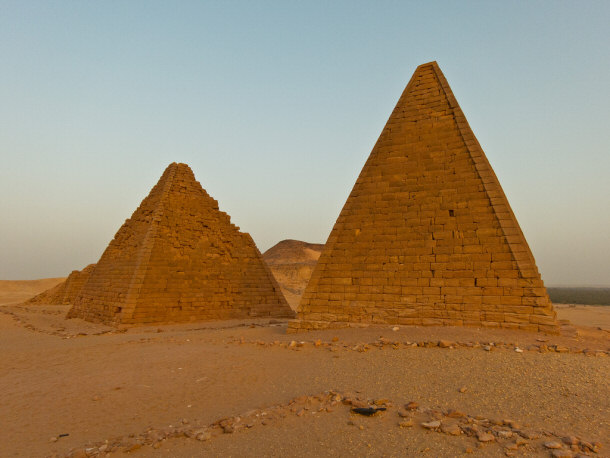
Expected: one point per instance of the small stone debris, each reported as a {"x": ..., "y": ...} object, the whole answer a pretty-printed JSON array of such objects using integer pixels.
[
  {"x": 411, "y": 405},
  {"x": 463, "y": 389},
  {"x": 403, "y": 413},
  {"x": 451, "y": 422},
  {"x": 452, "y": 429},
  {"x": 483, "y": 436},
  {"x": 395, "y": 328},
  {"x": 521, "y": 441},
  {"x": 444, "y": 344},
  {"x": 203, "y": 436},
  {"x": 431, "y": 424},
  {"x": 553, "y": 445},
  {"x": 570, "y": 440},
  {"x": 367, "y": 411}
]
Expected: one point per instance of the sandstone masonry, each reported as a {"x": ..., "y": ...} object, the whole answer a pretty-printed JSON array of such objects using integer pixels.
[
  {"x": 427, "y": 236},
  {"x": 179, "y": 259}
]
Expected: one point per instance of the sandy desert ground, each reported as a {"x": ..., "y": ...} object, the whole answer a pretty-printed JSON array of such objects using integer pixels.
[
  {"x": 72, "y": 388},
  {"x": 17, "y": 291}
]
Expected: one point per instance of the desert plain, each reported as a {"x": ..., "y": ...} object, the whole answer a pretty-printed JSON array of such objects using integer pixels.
[{"x": 247, "y": 388}]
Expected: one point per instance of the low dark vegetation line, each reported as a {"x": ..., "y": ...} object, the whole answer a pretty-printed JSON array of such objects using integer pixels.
[{"x": 587, "y": 296}]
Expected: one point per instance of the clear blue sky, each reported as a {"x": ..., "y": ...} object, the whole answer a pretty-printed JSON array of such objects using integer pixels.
[{"x": 276, "y": 106}]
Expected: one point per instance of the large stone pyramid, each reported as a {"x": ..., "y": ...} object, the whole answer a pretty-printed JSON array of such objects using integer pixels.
[
  {"x": 427, "y": 236},
  {"x": 178, "y": 258}
]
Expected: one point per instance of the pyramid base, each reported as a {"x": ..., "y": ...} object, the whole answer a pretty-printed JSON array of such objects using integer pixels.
[
  {"x": 301, "y": 325},
  {"x": 118, "y": 321}
]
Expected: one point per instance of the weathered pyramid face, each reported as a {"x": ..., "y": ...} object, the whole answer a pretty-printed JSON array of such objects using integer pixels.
[
  {"x": 178, "y": 258},
  {"x": 426, "y": 235}
]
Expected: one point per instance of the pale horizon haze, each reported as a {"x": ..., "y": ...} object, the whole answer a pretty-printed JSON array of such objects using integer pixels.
[{"x": 276, "y": 106}]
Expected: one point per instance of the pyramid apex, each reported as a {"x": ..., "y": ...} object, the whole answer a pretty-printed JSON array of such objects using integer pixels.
[
  {"x": 427, "y": 65},
  {"x": 178, "y": 165}
]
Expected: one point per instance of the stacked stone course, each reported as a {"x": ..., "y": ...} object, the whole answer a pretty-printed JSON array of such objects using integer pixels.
[
  {"x": 427, "y": 236},
  {"x": 179, "y": 259}
]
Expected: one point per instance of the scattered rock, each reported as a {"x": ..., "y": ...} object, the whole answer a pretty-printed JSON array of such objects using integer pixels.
[
  {"x": 521, "y": 441},
  {"x": 487, "y": 348},
  {"x": 505, "y": 434},
  {"x": 483, "y": 436},
  {"x": 463, "y": 389},
  {"x": 412, "y": 405},
  {"x": 203, "y": 436},
  {"x": 407, "y": 423},
  {"x": 381, "y": 402},
  {"x": 403, "y": 413},
  {"x": 367, "y": 411},
  {"x": 53, "y": 439},
  {"x": 431, "y": 424},
  {"x": 529, "y": 434},
  {"x": 455, "y": 414},
  {"x": 445, "y": 343},
  {"x": 395, "y": 328},
  {"x": 553, "y": 445},
  {"x": 570, "y": 440},
  {"x": 452, "y": 429}
]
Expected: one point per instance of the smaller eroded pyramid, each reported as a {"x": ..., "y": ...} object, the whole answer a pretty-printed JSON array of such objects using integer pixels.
[
  {"x": 66, "y": 292},
  {"x": 179, "y": 259}
]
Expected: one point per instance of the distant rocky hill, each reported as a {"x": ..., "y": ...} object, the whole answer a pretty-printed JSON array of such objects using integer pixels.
[{"x": 292, "y": 263}]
